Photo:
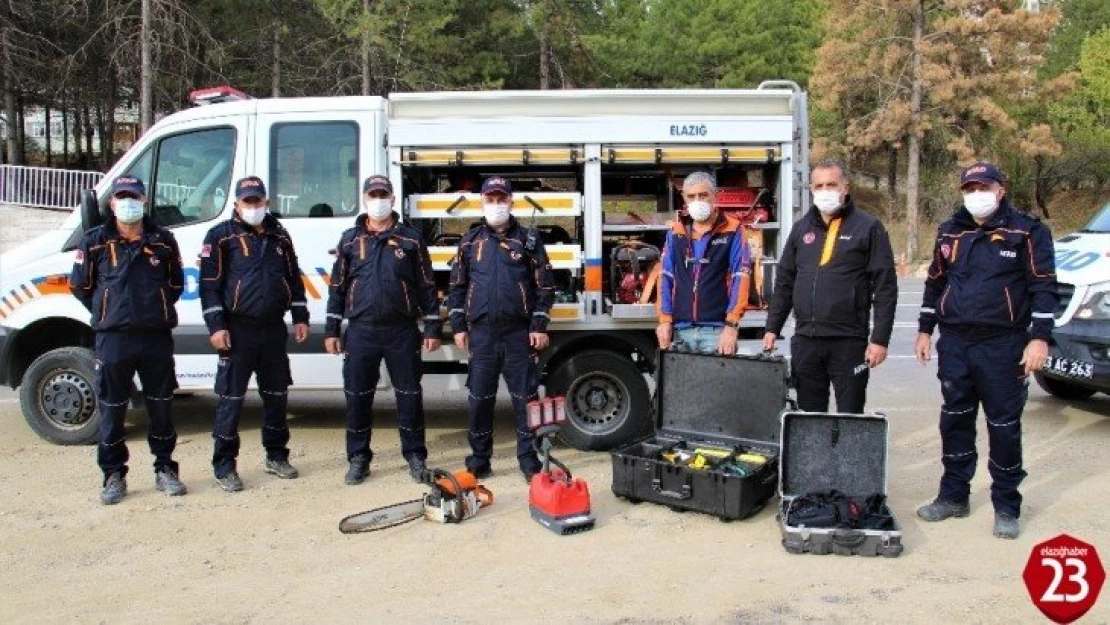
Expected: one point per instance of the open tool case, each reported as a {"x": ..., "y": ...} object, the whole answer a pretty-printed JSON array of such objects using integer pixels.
[
  {"x": 727, "y": 407},
  {"x": 842, "y": 452}
]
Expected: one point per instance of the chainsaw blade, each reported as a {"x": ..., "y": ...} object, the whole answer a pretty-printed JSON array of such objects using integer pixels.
[{"x": 382, "y": 518}]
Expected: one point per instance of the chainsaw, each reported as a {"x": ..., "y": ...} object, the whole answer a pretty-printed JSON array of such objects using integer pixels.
[
  {"x": 452, "y": 498},
  {"x": 556, "y": 499}
]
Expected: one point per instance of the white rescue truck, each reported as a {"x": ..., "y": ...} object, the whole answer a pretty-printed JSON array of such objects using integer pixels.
[
  {"x": 1079, "y": 365},
  {"x": 596, "y": 171}
]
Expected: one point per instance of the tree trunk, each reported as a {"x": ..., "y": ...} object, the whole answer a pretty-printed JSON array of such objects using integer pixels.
[
  {"x": 89, "y": 137},
  {"x": 48, "y": 137},
  {"x": 21, "y": 112},
  {"x": 275, "y": 77},
  {"x": 78, "y": 150},
  {"x": 9, "y": 102},
  {"x": 545, "y": 58},
  {"x": 1041, "y": 188},
  {"x": 146, "y": 72},
  {"x": 913, "y": 154},
  {"x": 366, "y": 6},
  {"x": 65, "y": 132},
  {"x": 110, "y": 120},
  {"x": 103, "y": 135}
]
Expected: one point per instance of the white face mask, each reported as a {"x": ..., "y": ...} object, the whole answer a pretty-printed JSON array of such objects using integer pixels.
[
  {"x": 377, "y": 208},
  {"x": 827, "y": 201},
  {"x": 128, "y": 210},
  {"x": 253, "y": 216},
  {"x": 699, "y": 210},
  {"x": 980, "y": 203},
  {"x": 496, "y": 214}
]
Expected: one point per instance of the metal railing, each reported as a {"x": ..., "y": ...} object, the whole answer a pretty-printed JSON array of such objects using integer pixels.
[{"x": 44, "y": 187}]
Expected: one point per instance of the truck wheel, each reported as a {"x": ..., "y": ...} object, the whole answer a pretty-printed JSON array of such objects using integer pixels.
[
  {"x": 1061, "y": 389},
  {"x": 58, "y": 396},
  {"x": 607, "y": 399}
]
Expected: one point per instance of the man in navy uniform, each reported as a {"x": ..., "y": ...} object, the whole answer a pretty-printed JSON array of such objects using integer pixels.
[
  {"x": 500, "y": 299},
  {"x": 382, "y": 283},
  {"x": 992, "y": 289},
  {"x": 249, "y": 279},
  {"x": 128, "y": 273}
]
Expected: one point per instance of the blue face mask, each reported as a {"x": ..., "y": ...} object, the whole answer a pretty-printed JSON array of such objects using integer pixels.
[{"x": 128, "y": 210}]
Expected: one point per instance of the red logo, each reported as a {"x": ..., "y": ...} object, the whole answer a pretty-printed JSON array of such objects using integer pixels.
[
  {"x": 945, "y": 250},
  {"x": 80, "y": 258},
  {"x": 1064, "y": 576},
  {"x": 206, "y": 251},
  {"x": 809, "y": 238}
]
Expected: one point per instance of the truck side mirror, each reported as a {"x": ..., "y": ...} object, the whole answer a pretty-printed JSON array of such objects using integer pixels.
[{"x": 91, "y": 215}]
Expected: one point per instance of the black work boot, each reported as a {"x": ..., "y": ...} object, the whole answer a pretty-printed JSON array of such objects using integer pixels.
[
  {"x": 280, "y": 468},
  {"x": 1006, "y": 526},
  {"x": 231, "y": 482},
  {"x": 358, "y": 471},
  {"x": 115, "y": 487},
  {"x": 481, "y": 472},
  {"x": 166, "y": 480},
  {"x": 417, "y": 469},
  {"x": 940, "y": 510}
]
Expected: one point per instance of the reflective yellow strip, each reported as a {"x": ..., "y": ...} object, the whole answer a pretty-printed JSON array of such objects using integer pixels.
[
  {"x": 705, "y": 154},
  {"x": 473, "y": 157},
  {"x": 566, "y": 311},
  {"x": 830, "y": 242}
]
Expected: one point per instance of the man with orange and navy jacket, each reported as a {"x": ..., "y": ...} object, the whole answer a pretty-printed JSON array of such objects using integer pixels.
[
  {"x": 249, "y": 278},
  {"x": 836, "y": 267},
  {"x": 992, "y": 290},
  {"x": 705, "y": 275},
  {"x": 382, "y": 284},
  {"x": 128, "y": 274}
]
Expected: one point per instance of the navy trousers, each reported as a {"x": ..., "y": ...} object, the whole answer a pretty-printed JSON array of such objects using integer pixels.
[
  {"x": 500, "y": 350},
  {"x": 260, "y": 350},
  {"x": 119, "y": 355},
  {"x": 973, "y": 373},
  {"x": 366, "y": 346}
]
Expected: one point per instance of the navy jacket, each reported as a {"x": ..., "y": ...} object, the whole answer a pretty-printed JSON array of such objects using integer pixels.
[
  {"x": 495, "y": 279},
  {"x": 250, "y": 275},
  {"x": 128, "y": 284},
  {"x": 991, "y": 279},
  {"x": 832, "y": 276},
  {"x": 705, "y": 280},
  {"x": 383, "y": 278}
]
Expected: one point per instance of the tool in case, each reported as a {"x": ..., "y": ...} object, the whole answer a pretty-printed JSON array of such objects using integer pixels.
[
  {"x": 715, "y": 449},
  {"x": 833, "y": 482}
]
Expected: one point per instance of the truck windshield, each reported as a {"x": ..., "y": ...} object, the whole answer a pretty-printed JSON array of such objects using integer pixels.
[{"x": 1100, "y": 222}]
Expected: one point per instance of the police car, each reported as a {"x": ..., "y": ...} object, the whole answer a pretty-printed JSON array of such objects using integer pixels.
[{"x": 1079, "y": 365}]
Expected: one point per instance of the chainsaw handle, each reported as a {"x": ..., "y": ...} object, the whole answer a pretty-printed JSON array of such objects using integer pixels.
[{"x": 484, "y": 495}]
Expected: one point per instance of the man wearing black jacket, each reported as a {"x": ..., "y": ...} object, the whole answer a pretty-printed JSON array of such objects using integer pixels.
[
  {"x": 992, "y": 289},
  {"x": 128, "y": 274},
  {"x": 249, "y": 278},
  {"x": 836, "y": 266},
  {"x": 382, "y": 283}
]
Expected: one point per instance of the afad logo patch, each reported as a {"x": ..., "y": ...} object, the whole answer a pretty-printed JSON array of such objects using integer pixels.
[
  {"x": 206, "y": 251},
  {"x": 809, "y": 238},
  {"x": 945, "y": 250},
  {"x": 80, "y": 257}
]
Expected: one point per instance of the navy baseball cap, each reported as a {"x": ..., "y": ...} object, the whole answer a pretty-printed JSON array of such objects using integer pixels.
[
  {"x": 377, "y": 182},
  {"x": 251, "y": 186},
  {"x": 980, "y": 172},
  {"x": 497, "y": 184},
  {"x": 128, "y": 184}
]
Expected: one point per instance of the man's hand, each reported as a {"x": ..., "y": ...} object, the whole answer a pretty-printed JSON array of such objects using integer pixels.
[
  {"x": 875, "y": 355},
  {"x": 333, "y": 346},
  {"x": 769, "y": 341},
  {"x": 538, "y": 340},
  {"x": 431, "y": 345},
  {"x": 664, "y": 333},
  {"x": 300, "y": 332},
  {"x": 1036, "y": 353},
  {"x": 221, "y": 340},
  {"x": 727, "y": 343},
  {"x": 923, "y": 347},
  {"x": 462, "y": 340}
]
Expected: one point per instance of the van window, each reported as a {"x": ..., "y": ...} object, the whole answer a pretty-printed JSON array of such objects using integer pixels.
[
  {"x": 314, "y": 169},
  {"x": 192, "y": 175}
]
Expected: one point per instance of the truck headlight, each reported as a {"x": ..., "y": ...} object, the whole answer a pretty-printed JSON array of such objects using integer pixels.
[{"x": 1097, "y": 303}]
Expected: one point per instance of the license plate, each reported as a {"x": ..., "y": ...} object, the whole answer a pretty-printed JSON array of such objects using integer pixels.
[{"x": 1069, "y": 368}]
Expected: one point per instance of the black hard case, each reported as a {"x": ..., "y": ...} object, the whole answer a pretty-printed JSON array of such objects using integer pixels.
[
  {"x": 705, "y": 399},
  {"x": 830, "y": 451}
]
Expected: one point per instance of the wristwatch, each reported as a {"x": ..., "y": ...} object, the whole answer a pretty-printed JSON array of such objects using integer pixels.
[{"x": 735, "y": 325}]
